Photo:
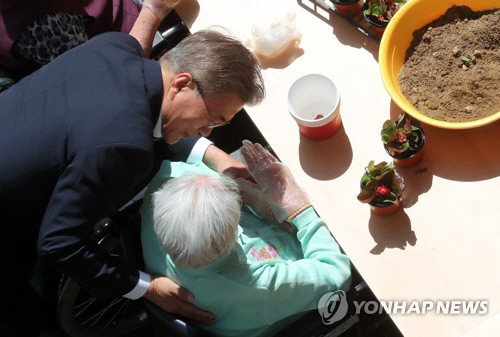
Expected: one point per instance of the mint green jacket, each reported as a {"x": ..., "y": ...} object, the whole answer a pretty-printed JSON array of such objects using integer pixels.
[{"x": 266, "y": 281}]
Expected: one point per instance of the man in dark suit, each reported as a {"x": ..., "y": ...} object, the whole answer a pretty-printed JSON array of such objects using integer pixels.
[{"x": 76, "y": 143}]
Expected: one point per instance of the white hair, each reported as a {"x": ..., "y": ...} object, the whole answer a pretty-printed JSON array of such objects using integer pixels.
[{"x": 196, "y": 218}]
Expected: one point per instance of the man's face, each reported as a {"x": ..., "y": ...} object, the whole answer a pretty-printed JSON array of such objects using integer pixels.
[{"x": 186, "y": 113}]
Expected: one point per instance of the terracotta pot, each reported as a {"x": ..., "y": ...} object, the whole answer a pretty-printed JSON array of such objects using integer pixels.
[
  {"x": 349, "y": 8},
  {"x": 322, "y": 132},
  {"x": 409, "y": 159},
  {"x": 313, "y": 101},
  {"x": 377, "y": 27},
  {"x": 386, "y": 210}
]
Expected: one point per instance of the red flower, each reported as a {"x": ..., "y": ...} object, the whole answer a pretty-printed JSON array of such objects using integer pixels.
[
  {"x": 393, "y": 6},
  {"x": 382, "y": 190},
  {"x": 402, "y": 137}
]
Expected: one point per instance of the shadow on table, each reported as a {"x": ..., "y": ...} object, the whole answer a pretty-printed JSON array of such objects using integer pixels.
[
  {"x": 391, "y": 231},
  {"x": 418, "y": 180},
  {"x": 326, "y": 159},
  {"x": 461, "y": 155},
  {"x": 346, "y": 33}
]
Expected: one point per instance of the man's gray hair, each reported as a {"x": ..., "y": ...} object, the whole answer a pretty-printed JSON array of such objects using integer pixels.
[
  {"x": 196, "y": 218},
  {"x": 219, "y": 65}
]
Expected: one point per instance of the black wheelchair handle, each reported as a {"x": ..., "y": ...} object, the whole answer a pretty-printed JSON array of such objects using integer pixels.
[{"x": 171, "y": 37}]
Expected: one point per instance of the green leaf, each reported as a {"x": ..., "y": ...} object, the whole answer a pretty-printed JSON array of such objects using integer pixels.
[
  {"x": 415, "y": 138},
  {"x": 386, "y": 178},
  {"x": 382, "y": 173},
  {"x": 368, "y": 192},
  {"x": 465, "y": 59},
  {"x": 389, "y": 124},
  {"x": 395, "y": 149},
  {"x": 387, "y": 131},
  {"x": 375, "y": 172},
  {"x": 383, "y": 167},
  {"x": 392, "y": 201},
  {"x": 407, "y": 124},
  {"x": 376, "y": 11},
  {"x": 364, "y": 179}
]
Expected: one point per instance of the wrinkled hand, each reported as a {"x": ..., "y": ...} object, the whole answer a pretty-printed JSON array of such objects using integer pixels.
[
  {"x": 160, "y": 8},
  {"x": 250, "y": 196},
  {"x": 174, "y": 299},
  {"x": 234, "y": 168},
  {"x": 275, "y": 183}
]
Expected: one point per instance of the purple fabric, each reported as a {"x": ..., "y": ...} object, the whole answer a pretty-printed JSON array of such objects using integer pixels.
[{"x": 16, "y": 15}]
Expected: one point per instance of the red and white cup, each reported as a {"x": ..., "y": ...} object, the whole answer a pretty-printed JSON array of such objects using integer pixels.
[{"x": 313, "y": 101}]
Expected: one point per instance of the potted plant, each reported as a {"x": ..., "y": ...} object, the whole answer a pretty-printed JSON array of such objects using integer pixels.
[
  {"x": 403, "y": 140},
  {"x": 348, "y": 7},
  {"x": 379, "y": 12},
  {"x": 381, "y": 188}
]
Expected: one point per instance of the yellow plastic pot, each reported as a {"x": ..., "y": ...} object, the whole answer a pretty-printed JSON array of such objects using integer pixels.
[{"x": 396, "y": 40}]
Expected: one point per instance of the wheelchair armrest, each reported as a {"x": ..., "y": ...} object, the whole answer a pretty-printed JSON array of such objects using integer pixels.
[
  {"x": 176, "y": 326},
  {"x": 305, "y": 326},
  {"x": 174, "y": 30},
  {"x": 311, "y": 324},
  {"x": 6, "y": 82},
  {"x": 6, "y": 79}
]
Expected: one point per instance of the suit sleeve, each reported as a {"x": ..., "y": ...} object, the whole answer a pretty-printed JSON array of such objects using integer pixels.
[
  {"x": 302, "y": 283},
  {"x": 95, "y": 182},
  {"x": 179, "y": 151}
]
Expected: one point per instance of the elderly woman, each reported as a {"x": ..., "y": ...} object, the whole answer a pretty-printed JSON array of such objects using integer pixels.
[{"x": 254, "y": 276}]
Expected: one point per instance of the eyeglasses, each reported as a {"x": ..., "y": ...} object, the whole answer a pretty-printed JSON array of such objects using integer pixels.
[{"x": 212, "y": 123}]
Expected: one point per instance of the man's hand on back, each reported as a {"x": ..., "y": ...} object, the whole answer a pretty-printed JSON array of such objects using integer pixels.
[{"x": 174, "y": 299}]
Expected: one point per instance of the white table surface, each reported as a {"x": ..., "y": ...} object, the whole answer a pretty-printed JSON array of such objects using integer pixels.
[{"x": 444, "y": 243}]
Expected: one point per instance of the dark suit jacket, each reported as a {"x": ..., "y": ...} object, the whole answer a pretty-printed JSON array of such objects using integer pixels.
[{"x": 75, "y": 144}]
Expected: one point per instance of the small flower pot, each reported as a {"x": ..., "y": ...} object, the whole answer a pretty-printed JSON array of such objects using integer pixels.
[
  {"x": 385, "y": 210},
  {"x": 409, "y": 158},
  {"x": 348, "y": 7},
  {"x": 313, "y": 101},
  {"x": 377, "y": 26},
  {"x": 381, "y": 187}
]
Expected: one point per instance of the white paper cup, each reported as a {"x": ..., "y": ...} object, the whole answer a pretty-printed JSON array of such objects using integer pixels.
[{"x": 313, "y": 101}]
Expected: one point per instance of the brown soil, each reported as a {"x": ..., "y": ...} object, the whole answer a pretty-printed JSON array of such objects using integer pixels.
[{"x": 437, "y": 78}]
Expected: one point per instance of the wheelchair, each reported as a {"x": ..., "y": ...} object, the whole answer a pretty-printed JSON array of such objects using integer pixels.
[{"x": 81, "y": 315}]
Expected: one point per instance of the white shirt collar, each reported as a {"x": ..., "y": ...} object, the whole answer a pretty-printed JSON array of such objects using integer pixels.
[{"x": 157, "y": 129}]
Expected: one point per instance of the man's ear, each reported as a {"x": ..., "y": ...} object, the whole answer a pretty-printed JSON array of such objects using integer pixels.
[{"x": 181, "y": 81}]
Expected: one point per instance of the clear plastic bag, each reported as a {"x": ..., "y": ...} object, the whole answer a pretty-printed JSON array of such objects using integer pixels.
[{"x": 274, "y": 38}]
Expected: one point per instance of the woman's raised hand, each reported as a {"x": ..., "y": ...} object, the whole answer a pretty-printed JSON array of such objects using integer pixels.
[{"x": 274, "y": 182}]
